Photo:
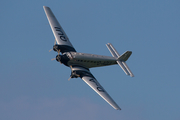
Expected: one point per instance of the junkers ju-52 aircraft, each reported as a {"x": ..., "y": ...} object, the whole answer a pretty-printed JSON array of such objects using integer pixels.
[{"x": 81, "y": 62}]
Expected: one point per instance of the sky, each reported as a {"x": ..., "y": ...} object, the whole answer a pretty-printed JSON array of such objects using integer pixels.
[{"x": 34, "y": 87}]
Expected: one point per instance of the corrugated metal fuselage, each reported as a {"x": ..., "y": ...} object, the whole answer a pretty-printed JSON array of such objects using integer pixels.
[{"x": 89, "y": 60}]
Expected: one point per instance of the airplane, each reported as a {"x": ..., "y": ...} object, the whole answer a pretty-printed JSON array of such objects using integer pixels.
[{"x": 80, "y": 63}]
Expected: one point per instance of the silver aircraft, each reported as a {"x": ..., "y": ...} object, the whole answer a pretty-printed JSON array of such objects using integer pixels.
[{"x": 81, "y": 62}]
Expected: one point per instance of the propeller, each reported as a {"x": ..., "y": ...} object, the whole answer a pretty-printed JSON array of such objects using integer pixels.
[
  {"x": 58, "y": 59},
  {"x": 69, "y": 78},
  {"x": 73, "y": 74},
  {"x": 57, "y": 51},
  {"x": 57, "y": 56},
  {"x": 50, "y": 50},
  {"x": 53, "y": 59}
]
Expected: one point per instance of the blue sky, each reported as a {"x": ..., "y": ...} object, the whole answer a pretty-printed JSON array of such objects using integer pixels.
[{"x": 34, "y": 87}]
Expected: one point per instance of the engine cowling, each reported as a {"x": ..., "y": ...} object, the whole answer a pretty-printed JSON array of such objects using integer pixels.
[
  {"x": 56, "y": 47},
  {"x": 58, "y": 58},
  {"x": 75, "y": 74},
  {"x": 62, "y": 59}
]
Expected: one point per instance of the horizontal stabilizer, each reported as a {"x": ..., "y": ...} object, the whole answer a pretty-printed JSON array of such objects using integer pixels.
[
  {"x": 123, "y": 67},
  {"x": 127, "y": 68},
  {"x": 121, "y": 59},
  {"x": 112, "y": 50}
]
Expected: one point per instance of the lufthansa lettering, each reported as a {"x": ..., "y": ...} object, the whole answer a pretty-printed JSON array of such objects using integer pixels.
[
  {"x": 99, "y": 88},
  {"x": 61, "y": 34}
]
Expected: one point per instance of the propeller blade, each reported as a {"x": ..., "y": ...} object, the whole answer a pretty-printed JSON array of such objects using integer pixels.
[
  {"x": 50, "y": 50},
  {"x": 69, "y": 79},
  {"x": 58, "y": 52},
  {"x": 70, "y": 67},
  {"x": 55, "y": 42},
  {"x": 53, "y": 59}
]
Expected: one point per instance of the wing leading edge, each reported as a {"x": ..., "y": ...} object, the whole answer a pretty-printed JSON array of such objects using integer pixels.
[{"x": 89, "y": 79}]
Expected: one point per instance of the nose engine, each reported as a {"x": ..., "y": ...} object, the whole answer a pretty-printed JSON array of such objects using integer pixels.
[
  {"x": 63, "y": 59},
  {"x": 58, "y": 58}
]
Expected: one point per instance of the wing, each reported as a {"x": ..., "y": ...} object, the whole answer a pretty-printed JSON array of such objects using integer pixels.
[
  {"x": 88, "y": 78},
  {"x": 59, "y": 34}
]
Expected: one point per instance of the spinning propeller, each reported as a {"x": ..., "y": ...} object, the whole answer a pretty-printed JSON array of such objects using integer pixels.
[
  {"x": 58, "y": 59},
  {"x": 73, "y": 74}
]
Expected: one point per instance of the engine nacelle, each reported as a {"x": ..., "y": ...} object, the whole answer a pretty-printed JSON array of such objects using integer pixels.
[
  {"x": 56, "y": 47},
  {"x": 75, "y": 74},
  {"x": 62, "y": 59},
  {"x": 58, "y": 58}
]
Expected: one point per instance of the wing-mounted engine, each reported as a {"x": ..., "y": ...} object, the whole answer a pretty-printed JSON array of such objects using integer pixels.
[
  {"x": 77, "y": 71},
  {"x": 63, "y": 48},
  {"x": 74, "y": 74},
  {"x": 56, "y": 48}
]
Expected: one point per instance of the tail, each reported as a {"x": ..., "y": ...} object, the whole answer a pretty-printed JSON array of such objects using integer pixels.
[{"x": 121, "y": 59}]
